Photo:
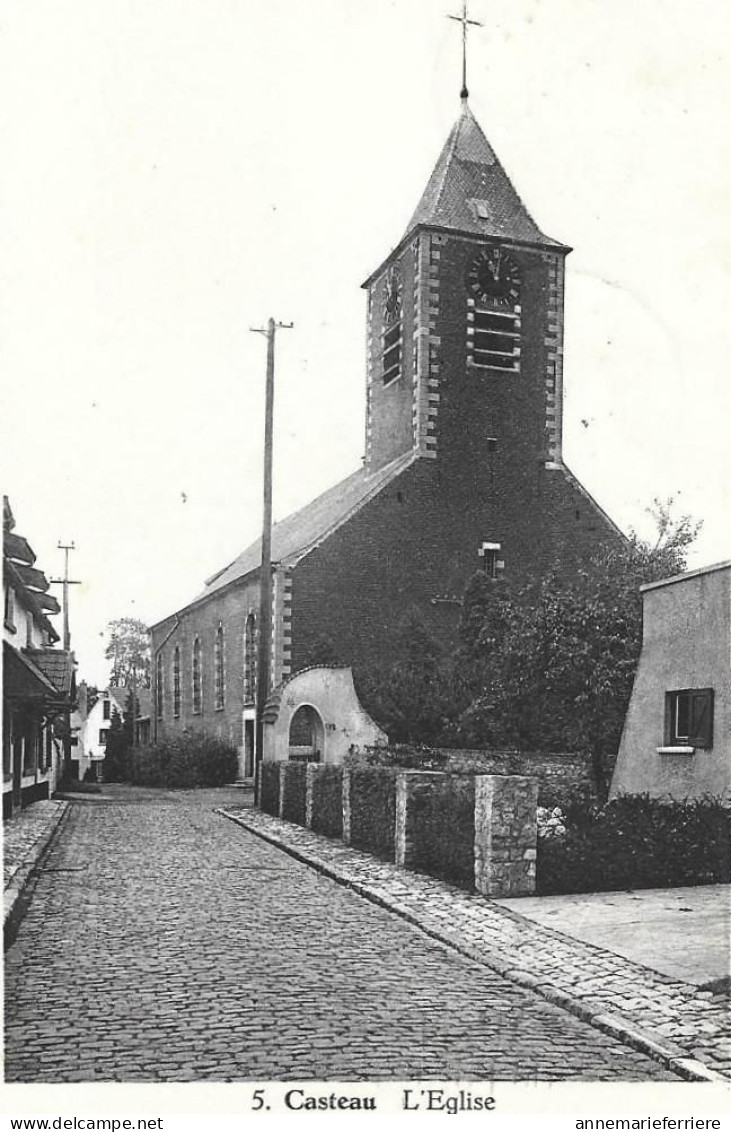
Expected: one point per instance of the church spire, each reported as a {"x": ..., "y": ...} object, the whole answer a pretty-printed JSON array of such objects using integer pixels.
[
  {"x": 470, "y": 192},
  {"x": 465, "y": 22}
]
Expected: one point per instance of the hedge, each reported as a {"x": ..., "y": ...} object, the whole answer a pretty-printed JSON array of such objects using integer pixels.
[
  {"x": 443, "y": 832},
  {"x": 373, "y": 810},
  {"x": 269, "y": 797},
  {"x": 294, "y": 794},
  {"x": 637, "y": 842},
  {"x": 327, "y": 801},
  {"x": 192, "y": 760}
]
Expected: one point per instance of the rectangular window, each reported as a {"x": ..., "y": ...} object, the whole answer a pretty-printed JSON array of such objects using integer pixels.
[
  {"x": 689, "y": 717},
  {"x": 103, "y": 736},
  {"x": 495, "y": 341},
  {"x": 490, "y": 554},
  {"x": 107, "y": 709},
  {"x": 392, "y": 353}
]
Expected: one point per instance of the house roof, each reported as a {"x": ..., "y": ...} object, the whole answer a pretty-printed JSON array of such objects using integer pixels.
[
  {"x": 56, "y": 665},
  {"x": 303, "y": 530},
  {"x": 469, "y": 174},
  {"x": 120, "y": 695},
  {"x": 17, "y": 548}
]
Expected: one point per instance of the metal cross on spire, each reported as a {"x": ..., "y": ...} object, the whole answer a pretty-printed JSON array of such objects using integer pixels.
[{"x": 464, "y": 21}]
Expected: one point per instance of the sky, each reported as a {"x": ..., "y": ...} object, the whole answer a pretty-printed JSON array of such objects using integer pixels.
[{"x": 178, "y": 172}]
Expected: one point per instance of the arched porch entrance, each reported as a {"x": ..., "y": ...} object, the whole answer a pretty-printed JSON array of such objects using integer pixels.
[{"x": 306, "y": 736}]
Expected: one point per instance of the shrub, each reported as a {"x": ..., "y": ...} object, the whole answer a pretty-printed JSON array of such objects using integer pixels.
[
  {"x": 636, "y": 842},
  {"x": 192, "y": 760},
  {"x": 373, "y": 810},
  {"x": 294, "y": 796},
  {"x": 327, "y": 801},
  {"x": 443, "y": 832},
  {"x": 269, "y": 794}
]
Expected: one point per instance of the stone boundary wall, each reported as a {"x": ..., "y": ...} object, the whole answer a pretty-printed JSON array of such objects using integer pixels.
[
  {"x": 561, "y": 776},
  {"x": 478, "y": 831}
]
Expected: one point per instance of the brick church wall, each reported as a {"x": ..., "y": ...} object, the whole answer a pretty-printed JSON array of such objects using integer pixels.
[{"x": 230, "y": 608}]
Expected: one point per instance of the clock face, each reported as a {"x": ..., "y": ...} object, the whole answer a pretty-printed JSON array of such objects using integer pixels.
[
  {"x": 494, "y": 277},
  {"x": 392, "y": 298}
]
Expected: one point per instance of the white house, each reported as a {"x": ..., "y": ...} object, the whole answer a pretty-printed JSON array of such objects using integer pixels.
[
  {"x": 94, "y": 724},
  {"x": 677, "y": 735}
]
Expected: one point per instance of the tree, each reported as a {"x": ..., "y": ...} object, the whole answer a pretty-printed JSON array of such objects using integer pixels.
[
  {"x": 129, "y": 651},
  {"x": 418, "y": 696},
  {"x": 551, "y": 663},
  {"x": 116, "y": 752}
]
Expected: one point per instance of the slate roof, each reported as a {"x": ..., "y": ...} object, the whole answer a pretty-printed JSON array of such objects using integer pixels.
[
  {"x": 119, "y": 697},
  {"x": 301, "y": 531},
  {"x": 56, "y": 665},
  {"x": 468, "y": 171}
]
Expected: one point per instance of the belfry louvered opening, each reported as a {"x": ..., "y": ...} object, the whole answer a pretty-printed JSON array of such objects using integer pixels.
[
  {"x": 495, "y": 339},
  {"x": 392, "y": 352}
]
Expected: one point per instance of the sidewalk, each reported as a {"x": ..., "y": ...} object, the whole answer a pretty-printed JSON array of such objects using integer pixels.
[
  {"x": 25, "y": 837},
  {"x": 680, "y": 932},
  {"x": 687, "y": 1029}
]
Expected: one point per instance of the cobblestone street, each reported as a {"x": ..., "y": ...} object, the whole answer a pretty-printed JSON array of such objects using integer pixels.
[{"x": 173, "y": 945}]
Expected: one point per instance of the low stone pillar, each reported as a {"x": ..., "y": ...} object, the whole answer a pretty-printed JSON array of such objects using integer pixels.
[
  {"x": 410, "y": 784},
  {"x": 505, "y": 835},
  {"x": 346, "y": 805}
]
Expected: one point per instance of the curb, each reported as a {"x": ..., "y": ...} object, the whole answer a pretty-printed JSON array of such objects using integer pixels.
[
  {"x": 17, "y": 895},
  {"x": 672, "y": 1057}
]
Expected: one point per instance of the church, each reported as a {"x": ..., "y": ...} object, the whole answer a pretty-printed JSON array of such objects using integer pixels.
[{"x": 463, "y": 466}]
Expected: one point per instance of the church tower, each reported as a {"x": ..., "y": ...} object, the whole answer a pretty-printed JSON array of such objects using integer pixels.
[{"x": 465, "y": 324}]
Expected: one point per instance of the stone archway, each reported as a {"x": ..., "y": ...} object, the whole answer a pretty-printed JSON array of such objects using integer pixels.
[{"x": 306, "y": 735}]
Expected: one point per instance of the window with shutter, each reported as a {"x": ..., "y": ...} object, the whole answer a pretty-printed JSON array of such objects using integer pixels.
[
  {"x": 701, "y": 718},
  {"x": 689, "y": 717}
]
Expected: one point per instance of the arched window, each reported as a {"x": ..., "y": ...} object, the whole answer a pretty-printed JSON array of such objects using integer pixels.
[
  {"x": 219, "y": 668},
  {"x": 250, "y": 658},
  {"x": 197, "y": 676},
  {"x": 159, "y": 686},
  {"x": 176, "y": 682}
]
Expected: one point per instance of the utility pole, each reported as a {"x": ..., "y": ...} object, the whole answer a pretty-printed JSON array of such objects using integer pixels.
[
  {"x": 265, "y": 577},
  {"x": 66, "y": 582}
]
